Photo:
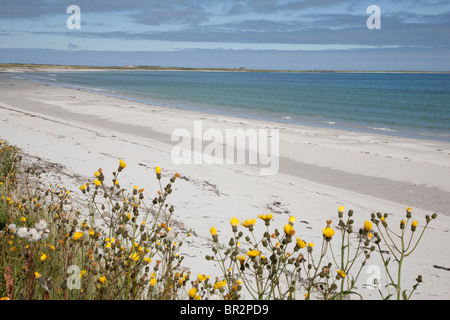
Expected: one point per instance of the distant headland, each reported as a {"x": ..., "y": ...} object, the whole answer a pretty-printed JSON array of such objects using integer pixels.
[{"x": 30, "y": 67}]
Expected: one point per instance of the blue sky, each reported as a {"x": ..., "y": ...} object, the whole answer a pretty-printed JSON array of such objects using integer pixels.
[{"x": 262, "y": 34}]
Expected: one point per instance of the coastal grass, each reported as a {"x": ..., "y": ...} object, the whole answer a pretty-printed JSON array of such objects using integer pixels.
[{"x": 122, "y": 246}]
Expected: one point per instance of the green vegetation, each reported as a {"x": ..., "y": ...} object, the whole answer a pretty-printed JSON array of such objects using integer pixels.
[{"x": 125, "y": 247}]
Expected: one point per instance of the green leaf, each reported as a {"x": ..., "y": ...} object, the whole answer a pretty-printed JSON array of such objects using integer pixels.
[
  {"x": 394, "y": 285},
  {"x": 345, "y": 293},
  {"x": 405, "y": 297}
]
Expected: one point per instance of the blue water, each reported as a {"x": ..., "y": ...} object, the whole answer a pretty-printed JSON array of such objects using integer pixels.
[{"x": 412, "y": 105}]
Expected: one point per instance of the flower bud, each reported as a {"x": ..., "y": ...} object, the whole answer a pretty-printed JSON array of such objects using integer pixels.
[
  {"x": 158, "y": 173},
  {"x": 214, "y": 234},
  {"x": 414, "y": 225},
  {"x": 408, "y": 213},
  {"x": 341, "y": 211}
]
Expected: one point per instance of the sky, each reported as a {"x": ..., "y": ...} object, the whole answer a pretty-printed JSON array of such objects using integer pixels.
[{"x": 257, "y": 34}]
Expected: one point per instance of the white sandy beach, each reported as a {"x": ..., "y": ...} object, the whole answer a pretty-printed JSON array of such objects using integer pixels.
[{"x": 319, "y": 170}]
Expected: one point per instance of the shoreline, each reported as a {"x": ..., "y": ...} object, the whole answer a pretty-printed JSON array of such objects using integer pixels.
[
  {"x": 315, "y": 171},
  {"x": 287, "y": 121},
  {"x": 320, "y": 169},
  {"x": 5, "y": 68}
]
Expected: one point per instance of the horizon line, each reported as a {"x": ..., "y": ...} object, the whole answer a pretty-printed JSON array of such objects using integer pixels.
[{"x": 175, "y": 68}]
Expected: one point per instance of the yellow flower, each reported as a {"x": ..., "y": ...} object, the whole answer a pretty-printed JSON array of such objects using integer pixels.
[
  {"x": 369, "y": 236},
  {"x": 37, "y": 275},
  {"x": 289, "y": 229},
  {"x": 134, "y": 256},
  {"x": 83, "y": 187},
  {"x": 102, "y": 279},
  {"x": 220, "y": 284},
  {"x": 341, "y": 209},
  {"x": 108, "y": 245},
  {"x": 328, "y": 232},
  {"x": 78, "y": 235},
  {"x": 96, "y": 173},
  {"x": 97, "y": 182},
  {"x": 158, "y": 170},
  {"x": 213, "y": 231},
  {"x": 122, "y": 164},
  {"x": 266, "y": 217},
  {"x": 82, "y": 272},
  {"x": 147, "y": 259},
  {"x": 367, "y": 225},
  {"x": 234, "y": 222},
  {"x": 249, "y": 223},
  {"x": 202, "y": 277},
  {"x": 192, "y": 293},
  {"x": 152, "y": 282},
  {"x": 253, "y": 253},
  {"x": 43, "y": 256},
  {"x": 23, "y": 219},
  {"x": 415, "y": 223},
  {"x": 300, "y": 243},
  {"x": 291, "y": 220},
  {"x": 342, "y": 273},
  {"x": 310, "y": 244},
  {"x": 241, "y": 259},
  {"x": 382, "y": 218}
]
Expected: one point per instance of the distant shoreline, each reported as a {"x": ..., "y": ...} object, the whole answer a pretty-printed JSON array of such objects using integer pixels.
[{"x": 18, "y": 67}]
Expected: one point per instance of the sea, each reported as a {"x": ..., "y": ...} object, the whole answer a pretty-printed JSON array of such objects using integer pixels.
[{"x": 415, "y": 105}]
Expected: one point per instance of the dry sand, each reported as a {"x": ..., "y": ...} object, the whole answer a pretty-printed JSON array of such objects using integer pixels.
[{"x": 320, "y": 170}]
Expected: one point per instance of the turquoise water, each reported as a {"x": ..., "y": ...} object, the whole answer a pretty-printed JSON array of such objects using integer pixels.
[{"x": 413, "y": 105}]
